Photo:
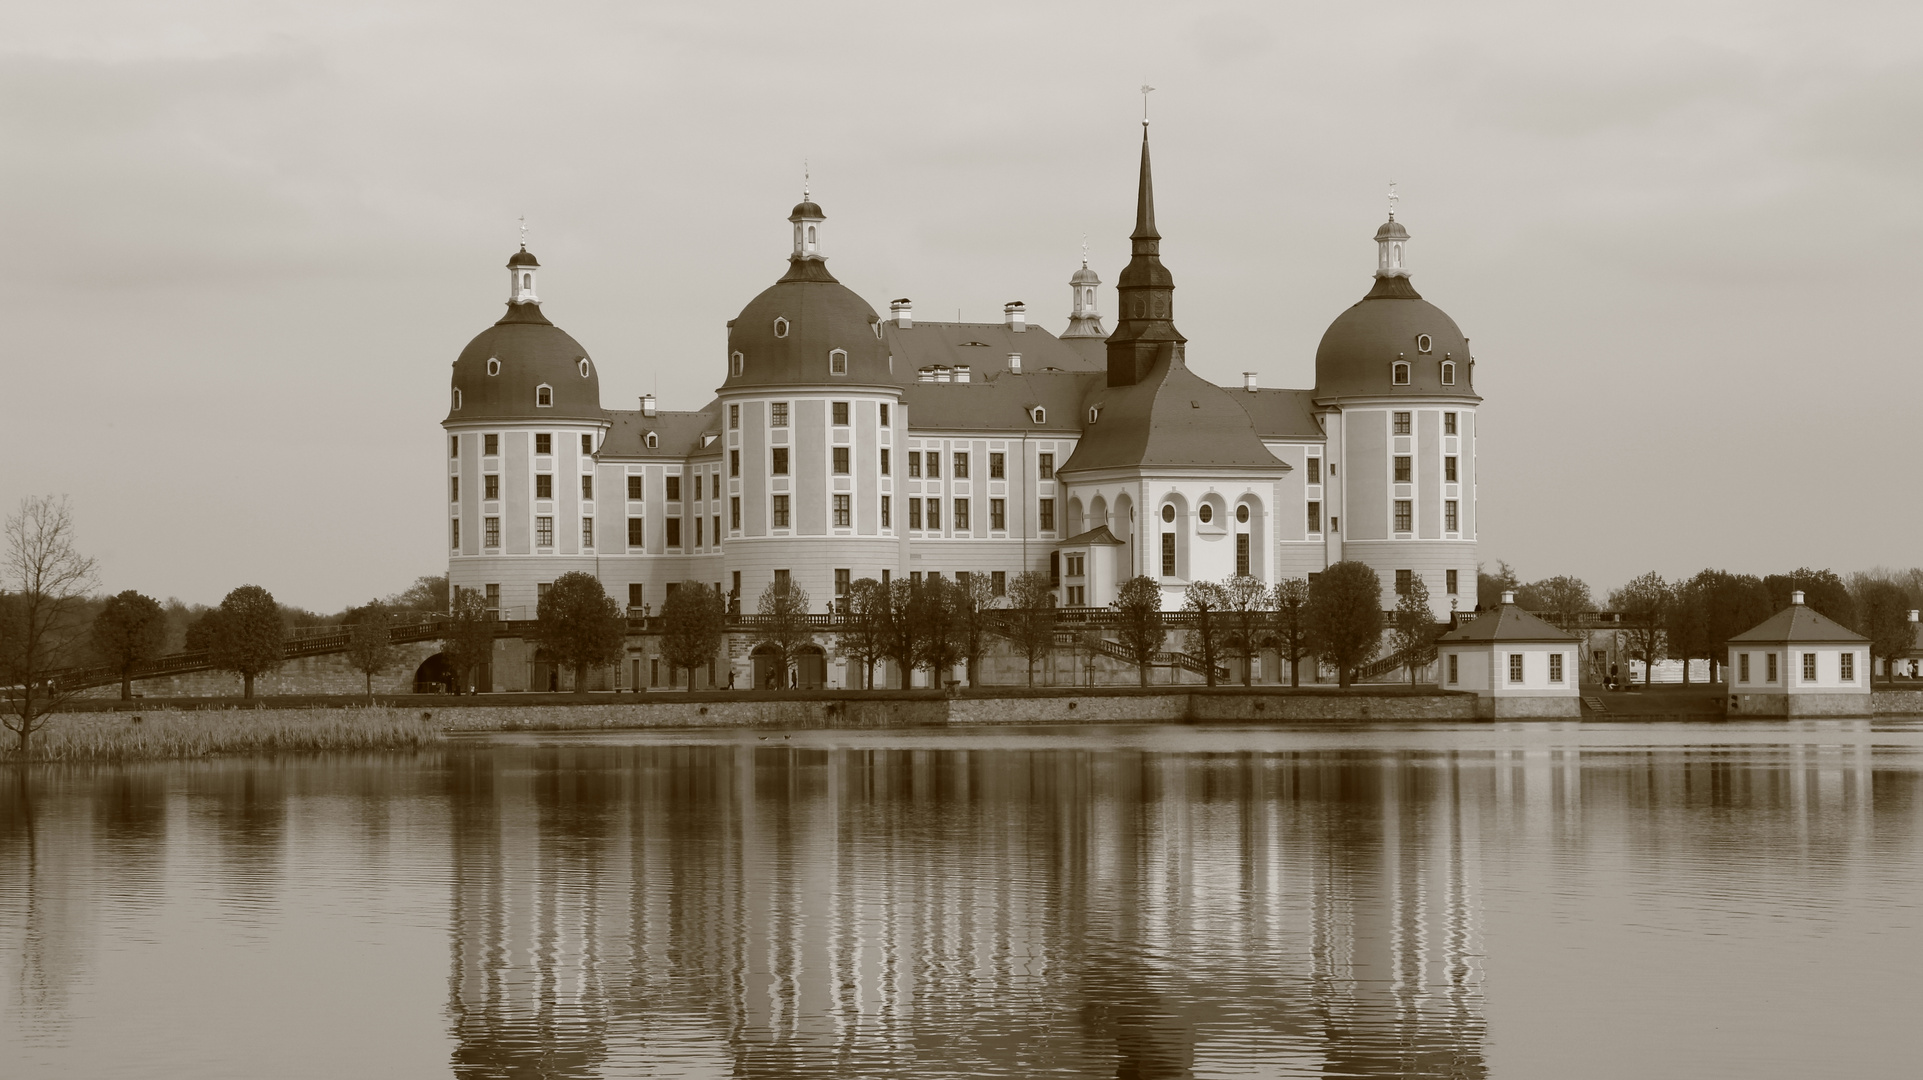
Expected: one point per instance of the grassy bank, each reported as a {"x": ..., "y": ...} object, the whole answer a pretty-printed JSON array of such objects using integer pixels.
[{"x": 157, "y": 734}]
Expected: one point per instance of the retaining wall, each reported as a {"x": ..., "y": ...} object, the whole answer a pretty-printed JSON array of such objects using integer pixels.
[{"x": 1897, "y": 703}]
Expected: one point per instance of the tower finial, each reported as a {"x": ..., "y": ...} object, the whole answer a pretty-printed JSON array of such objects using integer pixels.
[
  {"x": 1146, "y": 91},
  {"x": 805, "y": 180},
  {"x": 523, "y": 232},
  {"x": 1392, "y": 200},
  {"x": 1084, "y": 250}
]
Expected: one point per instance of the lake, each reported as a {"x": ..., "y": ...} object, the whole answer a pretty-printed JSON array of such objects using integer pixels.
[{"x": 1515, "y": 901}]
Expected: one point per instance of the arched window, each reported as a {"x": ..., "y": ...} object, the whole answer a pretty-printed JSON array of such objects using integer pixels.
[
  {"x": 736, "y": 363},
  {"x": 1041, "y": 415},
  {"x": 1422, "y": 343},
  {"x": 544, "y": 396},
  {"x": 584, "y": 367},
  {"x": 651, "y": 440},
  {"x": 1448, "y": 373},
  {"x": 838, "y": 362},
  {"x": 527, "y": 281},
  {"x": 1401, "y": 375},
  {"x": 457, "y": 399},
  {"x": 781, "y": 327},
  {"x": 811, "y": 235},
  {"x": 493, "y": 366},
  {"x": 1093, "y": 412}
]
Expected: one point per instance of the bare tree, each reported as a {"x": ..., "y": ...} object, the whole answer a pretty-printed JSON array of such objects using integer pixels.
[
  {"x": 370, "y": 648},
  {"x": 1204, "y": 601},
  {"x": 693, "y": 622},
  {"x": 784, "y": 622},
  {"x": 1138, "y": 622},
  {"x": 1292, "y": 624},
  {"x": 1245, "y": 615},
  {"x": 1030, "y": 617},
  {"x": 41, "y": 628},
  {"x": 1415, "y": 627},
  {"x": 1561, "y": 599},
  {"x": 936, "y": 619},
  {"x": 863, "y": 635},
  {"x": 898, "y": 629},
  {"x": 128, "y": 631},
  {"x": 1644, "y": 607},
  {"x": 468, "y": 641},
  {"x": 975, "y": 611}
]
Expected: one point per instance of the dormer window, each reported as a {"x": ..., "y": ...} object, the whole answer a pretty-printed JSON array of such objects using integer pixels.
[
  {"x": 1448, "y": 373},
  {"x": 736, "y": 363},
  {"x": 1041, "y": 415},
  {"x": 584, "y": 367},
  {"x": 493, "y": 366},
  {"x": 1093, "y": 412},
  {"x": 1422, "y": 343},
  {"x": 838, "y": 362},
  {"x": 876, "y": 327},
  {"x": 457, "y": 399},
  {"x": 1400, "y": 376},
  {"x": 544, "y": 396},
  {"x": 651, "y": 440},
  {"x": 781, "y": 327}
]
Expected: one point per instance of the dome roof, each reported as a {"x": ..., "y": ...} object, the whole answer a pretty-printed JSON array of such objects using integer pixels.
[
  {"x": 532, "y": 352},
  {"x": 522, "y": 257},
  {"x": 1392, "y": 230},
  {"x": 817, "y": 316},
  {"x": 807, "y": 209},
  {"x": 1359, "y": 350},
  {"x": 1084, "y": 276}
]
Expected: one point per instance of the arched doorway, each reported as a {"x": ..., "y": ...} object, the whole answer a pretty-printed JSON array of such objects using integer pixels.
[
  {"x": 434, "y": 676},
  {"x": 768, "y": 672},
  {"x": 811, "y": 668}
]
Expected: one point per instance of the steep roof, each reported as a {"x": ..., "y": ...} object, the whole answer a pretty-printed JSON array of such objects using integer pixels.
[
  {"x": 1282, "y": 414},
  {"x": 984, "y": 347},
  {"x": 1002, "y": 402},
  {"x": 679, "y": 434},
  {"x": 1800, "y": 622},
  {"x": 1507, "y": 623},
  {"x": 1172, "y": 417},
  {"x": 1097, "y": 535}
]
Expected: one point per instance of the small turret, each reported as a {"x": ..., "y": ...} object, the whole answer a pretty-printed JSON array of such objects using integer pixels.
[
  {"x": 1085, "y": 318},
  {"x": 520, "y": 277}
]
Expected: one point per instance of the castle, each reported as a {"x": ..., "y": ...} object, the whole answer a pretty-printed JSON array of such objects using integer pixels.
[{"x": 842, "y": 444}]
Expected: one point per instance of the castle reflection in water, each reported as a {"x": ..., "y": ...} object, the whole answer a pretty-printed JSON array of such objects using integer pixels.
[{"x": 747, "y": 910}]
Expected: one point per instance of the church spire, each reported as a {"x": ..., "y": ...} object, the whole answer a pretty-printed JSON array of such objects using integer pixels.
[
  {"x": 1145, "y": 330},
  {"x": 1145, "y": 240}
]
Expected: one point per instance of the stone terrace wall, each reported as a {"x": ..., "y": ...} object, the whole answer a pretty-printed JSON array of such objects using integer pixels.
[
  {"x": 1897, "y": 703},
  {"x": 328, "y": 673}
]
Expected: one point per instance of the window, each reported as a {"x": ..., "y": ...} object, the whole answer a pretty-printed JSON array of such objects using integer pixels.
[
  {"x": 1809, "y": 667},
  {"x": 1555, "y": 667},
  {"x": 1422, "y": 343},
  {"x": 1448, "y": 423},
  {"x": 493, "y": 365},
  {"x": 1168, "y": 554},
  {"x": 1404, "y": 513},
  {"x": 674, "y": 489},
  {"x": 490, "y": 445},
  {"x": 934, "y": 513},
  {"x": 838, "y": 364},
  {"x": 841, "y": 584},
  {"x": 697, "y": 532},
  {"x": 1515, "y": 667},
  {"x": 961, "y": 466},
  {"x": 453, "y": 446},
  {"x": 1315, "y": 517},
  {"x": 1242, "y": 554},
  {"x": 1742, "y": 667},
  {"x": 490, "y": 487},
  {"x": 1449, "y": 582},
  {"x": 1405, "y": 581},
  {"x": 887, "y": 515},
  {"x": 884, "y": 461},
  {"x": 636, "y": 536},
  {"x": 736, "y": 364},
  {"x": 1205, "y": 513},
  {"x": 674, "y": 532},
  {"x": 1093, "y": 413},
  {"x": 1045, "y": 517},
  {"x": 884, "y": 415},
  {"x": 454, "y": 539},
  {"x": 636, "y": 592},
  {"x": 651, "y": 440},
  {"x": 934, "y": 465},
  {"x": 1402, "y": 468},
  {"x": 781, "y": 461},
  {"x": 541, "y": 590},
  {"x": 961, "y": 515},
  {"x": 453, "y": 489},
  {"x": 781, "y": 327},
  {"x": 1401, "y": 376},
  {"x": 914, "y": 513},
  {"x": 997, "y": 466},
  {"x": 1078, "y": 594},
  {"x": 544, "y": 444},
  {"x": 491, "y": 532},
  {"x": 717, "y": 541},
  {"x": 1455, "y": 674},
  {"x": 1772, "y": 668},
  {"x": 1046, "y": 465},
  {"x": 1402, "y": 423},
  {"x": 998, "y": 583},
  {"x": 1448, "y": 373},
  {"x": 1449, "y": 520},
  {"x": 841, "y": 510},
  {"x": 734, "y": 512},
  {"x": 587, "y": 487},
  {"x": 998, "y": 514},
  {"x": 840, "y": 409},
  {"x": 587, "y": 532},
  {"x": 544, "y": 486},
  {"x": 587, "y": 444},
  {"x": 1077, "y": 563},
  {"x": 778, "y": 414},
  {"x": 544, "y": 397},
  {"x": 914, "y": 463},
  {"x": 841, "y": 459},
  {"x": 734, "y": 418},
  {"x": 1449, "y": 469},
  {"x": 544, "y": 532},
  {"x": 781, "y": 511},
  {"x": 1848, "y": 672},
  {"x": 492, "y": 591},
  {"x": 634, "y": 487},
  {"x": 1168, "y": 512},
  {"x": 457, "y": 398},
  {"x": 1315, "y": 470},
  {"x": 1041, "y": 415}
]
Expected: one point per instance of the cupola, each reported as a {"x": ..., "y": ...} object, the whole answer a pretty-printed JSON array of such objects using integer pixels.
[
  {"x": 520, "y": 277},
  {"x": 807, "y": 218}
]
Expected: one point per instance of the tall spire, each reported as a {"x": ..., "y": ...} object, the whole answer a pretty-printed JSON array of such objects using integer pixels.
[
  {"x": 1145, "y": 207},
  {"x": 1145, "y": 332}
]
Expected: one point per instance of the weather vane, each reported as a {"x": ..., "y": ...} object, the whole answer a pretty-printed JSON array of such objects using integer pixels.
[
  {"x": 523, "y": 232},
  {"x": 1392, "y": 200},
  {"x": 805, "y": 180},
  {"x": 1084, "y": 249},
  {"x": 1146, "y": 91}
]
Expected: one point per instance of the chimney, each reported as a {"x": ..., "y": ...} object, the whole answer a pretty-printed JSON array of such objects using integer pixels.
[
  {"x": 1248, "y": 381},
  {"x": 1510, "y": 598},
  {"x": 1796, "y": 597},
  {"x": 961, "y": 372},
  {"x": 1015, "y": 362},
  {"x": 647, "y": 404},
  {"x": 1015, "y": 316},
  {"x": 903, "y": 312}
]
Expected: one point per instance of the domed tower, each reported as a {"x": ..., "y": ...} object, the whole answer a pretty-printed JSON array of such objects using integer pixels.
[
  {"x": 523, "y": 426},
  {"x": 1085, "y": 319},
  {"x": 812, "y": 414},
  {"x": 1394, "y": 381}
]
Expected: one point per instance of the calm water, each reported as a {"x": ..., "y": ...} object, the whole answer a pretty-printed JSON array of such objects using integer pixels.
[{"x": 1534, "y": 900}]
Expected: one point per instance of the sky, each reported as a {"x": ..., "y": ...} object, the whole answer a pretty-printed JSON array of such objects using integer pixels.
[{"x": 246, "y": 240}]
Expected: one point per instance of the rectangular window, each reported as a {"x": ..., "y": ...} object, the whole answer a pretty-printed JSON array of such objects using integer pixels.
[
  {"x": 493, "y": 593},
  {"x": 1555, "y": 667},
  {"x": 587, "y": 487},
  {"x": 1402, "y": 468},
  {"x": 587, "y": 532},
  {"x": 1772, "y": 668},
  {"x": 587, "y": 444},
  {"x": 674, "y": 489},
  {"x": 884, "y": 461},
  {"x": 961, "y": 515},
  {"x": 778, "y": 414},
  {"x": 697, "y": 532},
  {"x": 1449, "y": 582},
  {"x": 1405, "y": 514},
  {"x": 1168, "y": 554},
  {"x": 914, "y": 463},
  {"x": 544, "y": 444},
  {"x": 1515, "y": 667},
  {"x": 1848, "y": 671},
  {"x": 1455, "y": 673},
  {"x": 454, "y": 539},
  {"x": 887, "y": 516},
  {"x": 840, "y": 409},
  {"x": 841, "y": 584},
  {"x": 634, "y": 487},
  {"x": 1315, "y": 470},
  {"x": 1315, "y": 517},
  {"x": 544, "y": 532},
  {"x": 734, "y": 417},
  {"x": 637, "y": 534},
  {"x": 1742, "y": 667},
  {"x": 781, "y": 461},
  {"x": 914, "y": 513},
  {"x": 997, "y": 466},
  {"x": 1809, "y": 667},
  {"x": 998, "y": 514},
  {"x": 1448, "y": 423},
  {"x": 1046, "y": 465},
  {"x": 841, "y": 510},
  {"x": 1045, "y": 515},
  {"x": 636, "y": 594},
  {"x": 734, "y": 512},
  {"x": 1242, "y": 554},
  {"x": 544, "y": 486},
  {"x": 491, "y": 486},
  {"x": 491, "y": 532},
  {"x": 490, "y": 445},
  {"x": 783, "y": 581},
  {"x": 934, "y": 465},
  {"x": 697, "y": 487},
  {"x": 453, "y": 489},
  {"x": 1402, "y": 423},
  {"x": 781, "y": 511},
  {"x": 674, "y": 532},
  {"x": 998, "y": 582},
  {"x": 884, "y": 415},
  {"x": 1449, "y": 520},
  {"x": 734, "y": 463},
  {"x": 934, "y": 513},
  {"x": 453, "y": 446},
  {"x": 841, "y": 460},
  {"x": 1405, "y": 580},
  {"x": 961, "y": 466},
  {"x": 1449, "y": 469}
]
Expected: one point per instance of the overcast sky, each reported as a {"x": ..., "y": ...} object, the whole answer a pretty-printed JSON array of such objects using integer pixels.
[{"x": 246, "y": 240}]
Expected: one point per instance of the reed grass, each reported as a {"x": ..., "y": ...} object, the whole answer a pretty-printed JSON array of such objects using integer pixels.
[{"x": 174, "y": 733}]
